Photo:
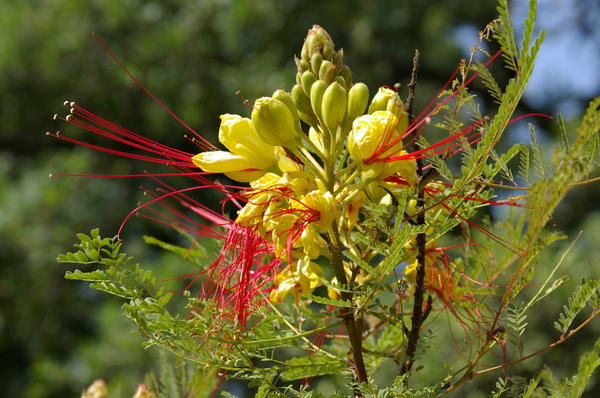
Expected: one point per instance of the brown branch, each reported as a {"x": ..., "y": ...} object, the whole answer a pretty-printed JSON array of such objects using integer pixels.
[
  {"x": 418, "y": 316},
  {"x": 347, "y": 313}
]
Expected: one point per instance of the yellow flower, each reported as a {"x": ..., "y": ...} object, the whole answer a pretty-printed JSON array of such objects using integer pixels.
[
  {"x": 238, "y": 135},
  {"x": 372, "y": 132},
  {"x": 297, "y": 279},
  {"x": 250, "y": 157},
  {"x": 313, "y": 245},
  {"x": 325, "y": 204}
]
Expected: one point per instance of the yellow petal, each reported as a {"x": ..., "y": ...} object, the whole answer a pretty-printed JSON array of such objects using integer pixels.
[
  {"x": 221, "y": 162},
  {"x": 245, "y": 176},
  {"x": 238, "y": 135}
]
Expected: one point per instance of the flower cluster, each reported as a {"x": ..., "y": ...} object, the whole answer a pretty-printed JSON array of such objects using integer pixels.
[
  {"x": 303, "y": 184},
  {"x": 315, "y": 159}
]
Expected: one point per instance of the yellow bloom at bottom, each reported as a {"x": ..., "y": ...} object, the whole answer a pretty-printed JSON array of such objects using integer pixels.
[{"x": 297, "y": 279}]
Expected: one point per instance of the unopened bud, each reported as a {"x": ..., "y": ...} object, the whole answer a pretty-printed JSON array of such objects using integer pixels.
[
  {"x": 303, "y": 105},
  {"x": 327, "y": 71},
  {"x": 301, "y": 64},
  {"x": 386, "y": 100},
  {"x": 340, "y": 80},
  {"x": 338, "y": 60},
  {"x": 333, "y": 107},
  {"x": 316, "y": 96},
  {"x": 358, "y": 97},
  {"x": 306, "y": 80},
  {"x": 274, "y": 122},
  {"x": 317, "y": 41},
  {"x": 347, "y": 74},
  {"x": 315, "y": 62},
  {"x": 286, "y": 98}
]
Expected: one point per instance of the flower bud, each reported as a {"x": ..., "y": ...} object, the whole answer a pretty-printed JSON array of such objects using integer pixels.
[
  {"x": 338, "y": 60},
  {"x": 286, "y": 98},
  {"x": 327, "y": 71},
  {"x": 387, "y": 100},
  {"x": 347, "y": 75},
  {"x": 316, "y": 96},
  {"x": 358, "y": 97},
  {"x": 333, "y": 107},
  {"x": 302, "y": 102},
  {"x": 274, "y": 122},
  {"x": 341, "y": 81},
  {"x": 315, "y": 62},
  {"x": 301, "y": 64},
  {"x": 317, "y": 41},
  {"x": 306, "y": 80}
]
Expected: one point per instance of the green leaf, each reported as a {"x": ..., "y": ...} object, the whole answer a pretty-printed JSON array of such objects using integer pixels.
[{"x": 311, "y": 366}]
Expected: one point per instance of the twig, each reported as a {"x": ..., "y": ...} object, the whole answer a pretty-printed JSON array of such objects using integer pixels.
[
  {"x": 470, "y": 373},
  {"x": 418, "y": 316}
]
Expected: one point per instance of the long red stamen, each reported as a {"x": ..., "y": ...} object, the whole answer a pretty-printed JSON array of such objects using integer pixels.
[{"x": 140, "y": 85}]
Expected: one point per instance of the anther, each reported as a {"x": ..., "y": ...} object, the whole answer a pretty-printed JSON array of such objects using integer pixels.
[
  {"x": 68, "y": 118},
  {"x": 55, "y": 116},
  {"x": 50, "y": 175},
  {"x": 65, "y": 103}
]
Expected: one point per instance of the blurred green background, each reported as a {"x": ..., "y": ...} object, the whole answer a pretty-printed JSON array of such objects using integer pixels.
[{"x": 57, "y": 336}]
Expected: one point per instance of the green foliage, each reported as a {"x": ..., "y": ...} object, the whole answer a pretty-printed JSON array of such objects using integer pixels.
[{"x": 581, "y": 297}]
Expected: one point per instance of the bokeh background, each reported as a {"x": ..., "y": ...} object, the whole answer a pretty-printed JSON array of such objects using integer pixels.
[{"x": 57, "y": 336}]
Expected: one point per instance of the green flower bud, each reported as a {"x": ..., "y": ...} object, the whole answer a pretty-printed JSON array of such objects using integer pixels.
[
  {"x": 274, "y": 122},
  {"x": 304, "y": 53},
  {"x": 387, "y": 100},
  {"x": 317, "y": 41},
  {"x": 341, "y": 81},
  {"x": 301, "y": 64},
  {"x": 306, "y": 80},
  {"x": 347, "y": 75},
  {"x": 338, "y": 60},
  {"x": 327, "y": 71},
  {"x": 316, "y": 96},
  {"x": 333, "y": 107},
  {"x": 303, "y": 105},
  {"x": 315, "y": 62},
  {"x": 286, "y": 98},
  {"x": 358, "y": 97}
]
